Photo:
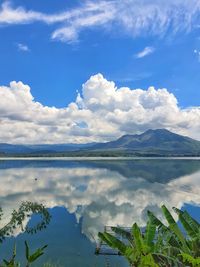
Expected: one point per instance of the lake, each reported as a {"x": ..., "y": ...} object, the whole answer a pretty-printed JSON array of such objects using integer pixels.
[{"x": 85, "y": 195}]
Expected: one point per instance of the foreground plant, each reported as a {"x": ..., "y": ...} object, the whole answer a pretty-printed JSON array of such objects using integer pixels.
[
  {"x": 25, "y": 211},
  {"x": 30, "y": 258},
  {"x": 18, "y": 217},
  {"x": 159, "y": 244}
]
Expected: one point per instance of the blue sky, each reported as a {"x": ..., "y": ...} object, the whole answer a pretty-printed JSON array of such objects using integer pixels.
[{"x": 56, "y": 46}]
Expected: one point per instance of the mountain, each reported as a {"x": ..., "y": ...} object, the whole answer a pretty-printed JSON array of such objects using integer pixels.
[
  {"x": 160, "y": 141},
  {"x": 8, "y": 148},
  {"x": 43, "y": 148}
]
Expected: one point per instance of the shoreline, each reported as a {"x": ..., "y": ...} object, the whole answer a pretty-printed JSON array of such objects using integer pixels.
[{"x": 96, "y": 158}]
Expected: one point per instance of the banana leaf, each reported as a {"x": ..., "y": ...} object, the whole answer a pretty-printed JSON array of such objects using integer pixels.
[
  {"x": 113, "y": 242},
  {"x": 190, "y": 225},
  {"x": 123, "y": 233},
  {"x": 174, "y": 228},
  {"x": 150, "y": 233}
]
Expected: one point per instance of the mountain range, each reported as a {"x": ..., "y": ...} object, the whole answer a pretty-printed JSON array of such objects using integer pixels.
[{"x": 159, "y": 142}]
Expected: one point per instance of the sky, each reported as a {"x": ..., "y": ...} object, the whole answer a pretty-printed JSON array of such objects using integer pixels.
[{"x": 92, "y": 71}]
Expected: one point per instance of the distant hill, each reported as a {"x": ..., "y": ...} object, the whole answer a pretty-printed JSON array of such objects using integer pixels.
[
  {"x": 42, "y": 148},
  {"x": 160, "y": 142}
]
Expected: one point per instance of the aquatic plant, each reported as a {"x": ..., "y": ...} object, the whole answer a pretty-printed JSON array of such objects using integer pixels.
[{"x": 159, "y": 244}]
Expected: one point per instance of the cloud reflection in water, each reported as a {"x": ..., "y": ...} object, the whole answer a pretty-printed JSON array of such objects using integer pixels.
[{"x": 103, "y": 193}]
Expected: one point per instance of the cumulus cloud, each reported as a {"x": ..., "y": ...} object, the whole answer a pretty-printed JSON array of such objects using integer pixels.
[
  {"x": 134, "y": 17},
  {"x": 145, "y": 52},
  {"x": 107, "y": 112}
]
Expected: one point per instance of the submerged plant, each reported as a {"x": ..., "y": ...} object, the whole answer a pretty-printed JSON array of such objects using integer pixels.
[{"x": 160, "y": 244}]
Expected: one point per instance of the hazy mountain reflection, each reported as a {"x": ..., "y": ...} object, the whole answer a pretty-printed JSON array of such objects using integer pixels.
[{"x": 101, "y": 192}]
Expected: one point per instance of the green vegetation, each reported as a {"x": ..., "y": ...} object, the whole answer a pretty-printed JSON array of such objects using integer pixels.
[
  {"x": 25, "y": 210},
  {"x": 103, "y": 153},
  {"x": 160, "y": 244},
  {"x": 30, "y": 258}
]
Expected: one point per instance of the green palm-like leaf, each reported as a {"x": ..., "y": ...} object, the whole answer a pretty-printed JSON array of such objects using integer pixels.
[
  {"x": 188, "y": 259},
  {"x": 105, "y": 239},
  {"x": 173, "y": 241},
  {"x": 147, "y": 261},
  {"x": 163, "y": 231},
  {"x": 113, "y": 242},
  {"x": 191, "y": 226},
  {"x": 174, "y": 227},
  {"x": 167, "y": 260},
  {"x": 11, "y": 262},
  {"x": 130, "y": 254},
  {"x": 123, "y": 233},
  {"x": 31, "y": 258},
  {"x": 138, "y": 240},
  {"x": 160, "y": 245},
  {"x": 35, "y": 255},
  {"x": 157, "y": 222},
  {"x": 39, "y": 252},
  {"x": 27, "y": 250},
  {"x": 150, "y": 233},
  {"x": 6, "y": 262}
]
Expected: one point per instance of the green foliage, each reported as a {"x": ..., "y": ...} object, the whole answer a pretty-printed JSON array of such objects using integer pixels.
[
  {"x": 160, "y": 244},
  {"x": 33, "y": 257},
  {"x": 11, "y": 262},
  {"x": 189, "y": 260},
  {"x": 29, "y": 257},
  {"x": 25, "y": 210}
]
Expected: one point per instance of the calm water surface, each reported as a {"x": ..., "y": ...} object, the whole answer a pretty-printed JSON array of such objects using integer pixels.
[{"x": 84, "y": 196}]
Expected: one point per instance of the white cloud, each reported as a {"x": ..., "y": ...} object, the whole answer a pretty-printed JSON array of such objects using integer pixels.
[
  {"x": 107, "y": 112},
  {"x": 145, "y": 52},
  {"x": 133, "y": 17},
  {"x": 23, "y": 47},
  {"x": 87, "y": 15}
]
